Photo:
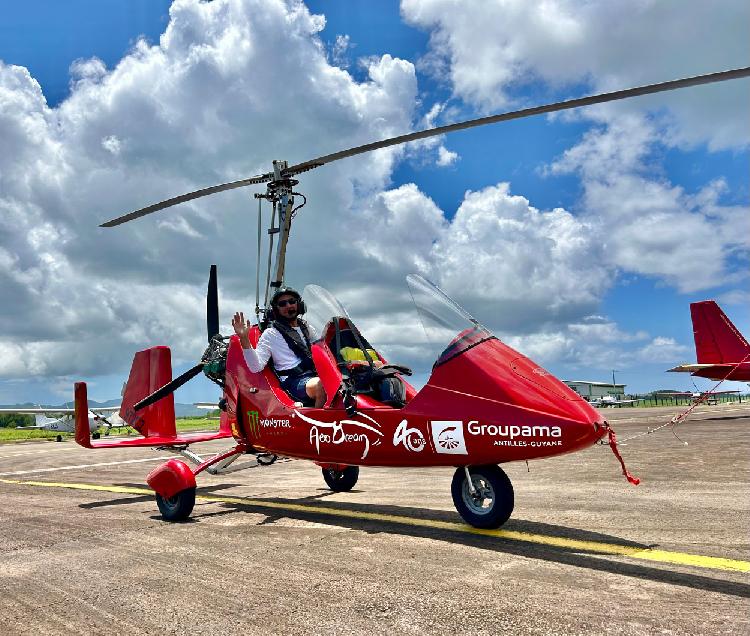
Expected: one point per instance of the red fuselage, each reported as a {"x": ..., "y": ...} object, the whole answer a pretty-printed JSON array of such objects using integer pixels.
[{"x": 487, "y": 405}]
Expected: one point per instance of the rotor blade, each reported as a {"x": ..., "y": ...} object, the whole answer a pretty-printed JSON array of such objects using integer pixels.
[
  {"x": 519, "y": 114},
  {"x": 168, "y": 388},
  {"x": 262, "y": 178},
  {"x": 212, "y": 304},
  {"x": 441, "y": 130}
]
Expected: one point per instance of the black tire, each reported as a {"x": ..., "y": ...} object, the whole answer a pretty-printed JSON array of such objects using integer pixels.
[
  {"x": 341, "y": 480},
  {"x": 492, "y": 506},
  {"x": 58, "y": 438},
  {"x": 95, "y": 435},
  {"x": 177, "y": 508}
]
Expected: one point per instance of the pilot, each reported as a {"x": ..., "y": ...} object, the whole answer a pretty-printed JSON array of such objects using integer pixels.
[{"x": 287, "y": 342}]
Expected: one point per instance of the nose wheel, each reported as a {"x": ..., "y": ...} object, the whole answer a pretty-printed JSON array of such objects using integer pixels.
[
  {"x": 341, "y": 480},
  {"x": 485, "y": 498}
]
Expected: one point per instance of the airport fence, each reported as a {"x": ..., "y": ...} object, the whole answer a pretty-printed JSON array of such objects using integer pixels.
[{"x": 662, "y": 399}]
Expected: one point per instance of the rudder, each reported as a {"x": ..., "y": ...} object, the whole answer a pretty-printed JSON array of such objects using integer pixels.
[
  {"x": 151, "y": 369},
  {"x": 717, "y": 340}
]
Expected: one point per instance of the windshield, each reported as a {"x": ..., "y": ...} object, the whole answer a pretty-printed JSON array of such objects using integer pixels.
[
  {"x": 446, "y": 325},
  {"x": 448, "y": 328},
  {"x": 321, "y": 306}
]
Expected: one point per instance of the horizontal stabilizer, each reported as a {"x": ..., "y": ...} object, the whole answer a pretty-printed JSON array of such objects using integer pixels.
[
  {"x": 83, "y": 436},
  {"x": 690, "y": 368},
  {"x": 178, "y": 440}
]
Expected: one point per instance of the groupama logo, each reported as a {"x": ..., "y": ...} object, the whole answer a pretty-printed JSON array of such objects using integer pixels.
[{"x": 448, "y": 436}]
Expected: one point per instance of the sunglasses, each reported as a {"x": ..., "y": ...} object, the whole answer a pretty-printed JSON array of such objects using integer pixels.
[{"x": 284, "y": 303}]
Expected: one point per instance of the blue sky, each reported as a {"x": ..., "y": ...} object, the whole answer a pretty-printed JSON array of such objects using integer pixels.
[{"x": 654, "y": 193}]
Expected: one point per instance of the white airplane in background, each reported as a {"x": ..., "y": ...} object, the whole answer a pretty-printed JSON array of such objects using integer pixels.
[
  {"x": 610, "y": 400},
  {"x": 208, "y": 406},
  {"x": 62, "y": 420}
]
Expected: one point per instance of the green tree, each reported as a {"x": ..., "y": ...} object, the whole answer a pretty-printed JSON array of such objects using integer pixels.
[{"x": 11, "y": 420}]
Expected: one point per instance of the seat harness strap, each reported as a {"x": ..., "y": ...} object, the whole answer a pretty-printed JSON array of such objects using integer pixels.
[{"x": 300, "y": 347}]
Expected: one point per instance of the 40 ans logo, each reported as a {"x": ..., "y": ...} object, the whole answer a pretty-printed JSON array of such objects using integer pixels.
[{"x": 411, "y": 438}]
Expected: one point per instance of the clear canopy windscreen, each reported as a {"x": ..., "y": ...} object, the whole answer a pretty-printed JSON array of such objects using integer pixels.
[
  {"x": 321, "y": 306},
  {"x": 450, "y": 329}
]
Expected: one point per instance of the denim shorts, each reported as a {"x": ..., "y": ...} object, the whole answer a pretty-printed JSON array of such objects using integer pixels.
[{"x": 295, "y": 386}]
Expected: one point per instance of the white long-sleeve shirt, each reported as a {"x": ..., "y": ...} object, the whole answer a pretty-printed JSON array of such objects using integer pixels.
[{"x": 271, "y": 344}]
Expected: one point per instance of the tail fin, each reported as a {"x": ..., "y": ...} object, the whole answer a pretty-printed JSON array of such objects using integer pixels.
[
  {"x": 717, "y": 340},
  {"x": 40, "y": 419},
  {"x": 152, "y": 369},
  {"x": 83, "y": 432}
]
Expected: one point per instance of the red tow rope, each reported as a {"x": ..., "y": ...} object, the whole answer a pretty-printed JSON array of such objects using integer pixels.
[{"x": 613, "y": 445}]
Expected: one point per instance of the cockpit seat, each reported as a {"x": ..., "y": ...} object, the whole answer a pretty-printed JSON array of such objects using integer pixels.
[{"x": 369, "y": 372}]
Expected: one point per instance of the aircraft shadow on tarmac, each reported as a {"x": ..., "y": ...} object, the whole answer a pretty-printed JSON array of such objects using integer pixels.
[
  {"x": 133, "y": 499},
  {"x": 567, "y": 556}
]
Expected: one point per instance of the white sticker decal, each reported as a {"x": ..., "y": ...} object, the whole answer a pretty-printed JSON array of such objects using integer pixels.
[
  {"x": 411, "y": 438},
  {"x": 448, "y": 436},
  {"x": 336, "y": 433}
]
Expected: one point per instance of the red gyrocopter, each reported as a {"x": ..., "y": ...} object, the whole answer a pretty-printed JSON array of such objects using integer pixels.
[{"x": 484, "y": 404}]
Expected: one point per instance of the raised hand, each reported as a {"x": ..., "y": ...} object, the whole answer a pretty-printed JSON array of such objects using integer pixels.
[{"x": 241, "y": 328}]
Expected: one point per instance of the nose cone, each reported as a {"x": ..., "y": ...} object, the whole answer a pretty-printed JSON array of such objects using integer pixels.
[
  {"x": 546, "y": 393},
  {"x": 517, "y": 390}
]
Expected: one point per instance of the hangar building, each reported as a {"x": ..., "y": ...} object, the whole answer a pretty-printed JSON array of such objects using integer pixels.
[{"x": 590, "y": 390}]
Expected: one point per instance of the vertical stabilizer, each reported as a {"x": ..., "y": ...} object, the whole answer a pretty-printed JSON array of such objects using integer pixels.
[
  {"x": 152, "y": 369},
  {"x": 81, "y": 403},
  {"x": 717, "y": 340}
]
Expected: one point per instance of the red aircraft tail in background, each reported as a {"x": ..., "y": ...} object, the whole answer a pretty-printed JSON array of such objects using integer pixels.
[
  {"x": 722, "y": 351},
  {"x": 152, "y": 368}
]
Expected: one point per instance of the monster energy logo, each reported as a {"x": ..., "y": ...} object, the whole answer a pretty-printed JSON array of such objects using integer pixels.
[
  {"x": 252, "y": 423},
  {"x": 271, "y": 426}
]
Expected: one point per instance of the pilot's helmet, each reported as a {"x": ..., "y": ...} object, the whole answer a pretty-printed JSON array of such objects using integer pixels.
[{"x": 291, "y": 292}]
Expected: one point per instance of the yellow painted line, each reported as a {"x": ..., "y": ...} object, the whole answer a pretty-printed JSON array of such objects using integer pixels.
[{"x": 647, "y": 554}]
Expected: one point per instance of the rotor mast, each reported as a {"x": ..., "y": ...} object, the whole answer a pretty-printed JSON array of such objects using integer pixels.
[
  {"x": 281, "y": 187},
  {"x": 280, "y": 194}
]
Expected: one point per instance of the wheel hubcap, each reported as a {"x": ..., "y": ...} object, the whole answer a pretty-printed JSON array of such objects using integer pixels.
[{"x": 481, "y": 501}]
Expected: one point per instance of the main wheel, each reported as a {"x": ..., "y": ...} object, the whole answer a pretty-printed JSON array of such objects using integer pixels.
[
  {"x": 177, "y": 508},
  {"x": 95, "y": 435},
  {"x": 341, "y": 480},
  {"x": 491, "y": 503},
  {"x": 58, "y": 438}
]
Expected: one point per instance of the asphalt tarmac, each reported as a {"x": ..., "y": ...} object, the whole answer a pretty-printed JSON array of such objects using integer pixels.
[{"x": 272, "y": 551}]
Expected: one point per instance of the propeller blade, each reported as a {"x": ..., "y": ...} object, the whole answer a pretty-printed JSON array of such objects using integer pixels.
[
  {"x": 188, "y": 197},
  {"x": 649, "y": 89},
  {"x": 212, "y": 304},
  {"x": 169, "y": 387}
]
